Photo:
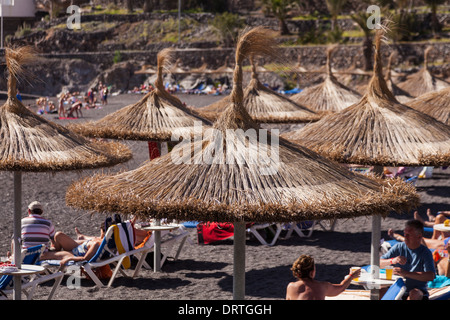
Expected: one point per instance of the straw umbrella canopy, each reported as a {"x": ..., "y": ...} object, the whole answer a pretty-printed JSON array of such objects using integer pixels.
[
  {"x": 224, "y": 69},
  {"x": 30, "y": 143},
  {"x": 401, "y": 95},
  {"x": 146, "y": 69},
  {"x": 237, "y": 172},
  {"x": 267, "y": 106},
  {"x": 299, "y": 67},
  {"x": 423, "y": 81},
  {"x": 436, "y": 104},
  {"x": 264, "y": 105},
  {"x": 330, "y": 95},
  {"x": 379, "y": 131},
  {"x": 156, "y": 117},
  {"x": 203, "y": 69},
  {"x": 176, "y": 69}
]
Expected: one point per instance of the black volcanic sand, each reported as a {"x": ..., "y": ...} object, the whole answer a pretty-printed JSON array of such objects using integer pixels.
[{"x": 205, "y": 272}]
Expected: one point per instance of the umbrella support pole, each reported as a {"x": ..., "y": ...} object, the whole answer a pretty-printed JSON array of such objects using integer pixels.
[
  {"x": 17, "y": 231},
  {"x": 239, "y": 261},
  {"x": 375, "y": 255},
  {"x": 375, "y": 250}
]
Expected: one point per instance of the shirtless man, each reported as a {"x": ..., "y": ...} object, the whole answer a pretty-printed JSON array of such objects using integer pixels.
[{"x": 306, "y": 288}]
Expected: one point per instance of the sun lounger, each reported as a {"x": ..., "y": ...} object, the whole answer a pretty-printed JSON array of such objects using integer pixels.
[
  {"x": 274, "y": 228},
  {"x": 30, "y": 256},
  {"x": 303, "y": 229},
  {"x": 440, "y": 293},
  {"x": 350, "y": 294},
  {"x": 107, "y": 254},
  {"x": 116, "y": 251},
  {"x": 396, "y": 291}
]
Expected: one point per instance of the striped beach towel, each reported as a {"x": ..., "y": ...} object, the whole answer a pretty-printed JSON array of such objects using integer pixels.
[{"x": 124, "y": 239}]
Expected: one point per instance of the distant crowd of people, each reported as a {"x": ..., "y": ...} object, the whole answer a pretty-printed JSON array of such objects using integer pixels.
[
  {"x": 211, "y": 89},
  {"x": 70, "y": 104}
]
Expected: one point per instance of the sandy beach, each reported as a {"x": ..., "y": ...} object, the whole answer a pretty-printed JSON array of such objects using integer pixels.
[{"x": 205, "y": 272}]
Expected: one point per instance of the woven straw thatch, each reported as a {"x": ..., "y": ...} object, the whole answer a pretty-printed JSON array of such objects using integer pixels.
[
  {"x": 378, "y": 130},
  {"x": 224, "y": 69},
  {"x": 203, "y": 69},
  {"x": 176, "y": 69},
  {"x": 146, "y": 69},
  {"x": 401, "y": 95},
  {"x": 330, "y": 95},
  {"x": 435, "y": 104},
  {"x": 299, "y": 67},
  {"x": 264, "y": 105},
  {"x": 196, "y": 181},
  {"x": 31, "y": 143},
  {"x": 157, "y": 116},
  {"x": 423, "y": 81}
]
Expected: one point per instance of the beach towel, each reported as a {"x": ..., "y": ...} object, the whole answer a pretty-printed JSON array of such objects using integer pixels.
[
  {"x": 439, "y": 282},
  {"x": 124, "y": 239},
  {"x": 209, "y": 232}
]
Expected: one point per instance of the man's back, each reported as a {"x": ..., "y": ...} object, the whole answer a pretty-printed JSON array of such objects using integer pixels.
[
  {"x": 36, "y": 230},
  {"x": 306, "y": 290}
]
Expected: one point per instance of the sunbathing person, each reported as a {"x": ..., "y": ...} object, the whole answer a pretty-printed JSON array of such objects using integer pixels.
[
  {"x": 432, "y": 220},
  {"x": 68, "y": 249},
  {"x": 434, "y": 244},
  {"x": 307, "y": 288}
]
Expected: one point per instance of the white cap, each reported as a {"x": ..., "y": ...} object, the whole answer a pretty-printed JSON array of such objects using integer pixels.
[{"x": 35, "y": 205}]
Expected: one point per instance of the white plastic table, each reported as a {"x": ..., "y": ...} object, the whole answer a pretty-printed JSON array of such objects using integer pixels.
[
  {"x": 441, "y": 227},
  {"x": 157, "y": 251},
  {"x": 367, "y": 282},
  {"x": 24, "y": 270}
]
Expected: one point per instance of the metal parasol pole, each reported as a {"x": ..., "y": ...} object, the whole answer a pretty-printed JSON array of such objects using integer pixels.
[
  {"x": 17, "y": 231},
  {"x": 239, "y": 261},
  {"x": 375, "y": 250}
]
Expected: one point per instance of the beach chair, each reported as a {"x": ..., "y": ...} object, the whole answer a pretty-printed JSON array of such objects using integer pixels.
[
  {"x": 327, "y": 225},
  {"x": 110, "y": 253},
  {"x": 440, "y": 293},
  {"x": 29, "y": 283},
  {"x": 116, "y": 250},
  {"x": 396, "y": 291},
  {"x": 189, "y": 226},
  {"x": 304, "y": 229},
  {"x": 274, "y": 228}
]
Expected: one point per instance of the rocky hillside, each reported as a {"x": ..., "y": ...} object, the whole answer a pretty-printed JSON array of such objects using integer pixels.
[{"x": 110, "y": 48}]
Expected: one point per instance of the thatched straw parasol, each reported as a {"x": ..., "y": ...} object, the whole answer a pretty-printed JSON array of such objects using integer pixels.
[
  {"x": 156, "y": 117},
  {"x": 330, "y": 95},
  {"x": 146, "y": 69},
  {"x": 436, "y": 104},
  {"x": 380, "y": 131},
  {"x": 264, "y": 105},
  {"x": 299, "y": 67},
  {"x": 176, "y": 69},
  {"x": 30, "y": 143},
  {"x": 239, "y": 173},
  {"x": 401, "y": 95},
  {"x": 423, "y": 81},
  {"x": 224, "y": 69},
  {"x": 203, "y": 69}
]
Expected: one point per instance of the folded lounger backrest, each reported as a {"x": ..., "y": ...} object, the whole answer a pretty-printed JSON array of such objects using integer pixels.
[{"x": 396, "y": 291}]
